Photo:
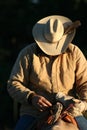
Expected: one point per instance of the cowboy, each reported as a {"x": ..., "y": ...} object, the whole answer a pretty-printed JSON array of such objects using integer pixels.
[{"x": 50, "y": 65}]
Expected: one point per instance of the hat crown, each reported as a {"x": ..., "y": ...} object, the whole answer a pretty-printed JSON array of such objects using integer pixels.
[{"x": 53, "y": 30}]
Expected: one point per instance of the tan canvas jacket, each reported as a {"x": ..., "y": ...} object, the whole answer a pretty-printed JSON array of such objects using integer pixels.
[{"x": 45, "y": 75}]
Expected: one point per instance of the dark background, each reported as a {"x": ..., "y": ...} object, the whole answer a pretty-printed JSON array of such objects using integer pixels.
[{"x": 17, "y": 18}]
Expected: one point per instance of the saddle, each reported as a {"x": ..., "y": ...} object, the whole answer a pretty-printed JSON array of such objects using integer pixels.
[{"x": 56, "y": 115}]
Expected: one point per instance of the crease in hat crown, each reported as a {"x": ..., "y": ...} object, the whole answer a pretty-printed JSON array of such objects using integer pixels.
[{"x": 53, "y": 30}]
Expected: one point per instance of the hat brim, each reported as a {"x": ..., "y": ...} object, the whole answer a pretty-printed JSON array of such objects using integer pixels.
[{"x": 52, "y": 48}]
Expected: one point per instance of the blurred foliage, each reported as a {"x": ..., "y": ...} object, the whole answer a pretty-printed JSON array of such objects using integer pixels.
[{"x": 17, "y": 18}]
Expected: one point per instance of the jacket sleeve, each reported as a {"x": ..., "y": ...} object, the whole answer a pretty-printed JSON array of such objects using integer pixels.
[
  {"x": 81, "y": 74},
  {"x": 17, "y": 85}
]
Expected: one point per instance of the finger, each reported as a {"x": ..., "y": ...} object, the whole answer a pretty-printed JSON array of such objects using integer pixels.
[
  {"x": 41, "y": 107},
  {"x": 46, "y": 102}
]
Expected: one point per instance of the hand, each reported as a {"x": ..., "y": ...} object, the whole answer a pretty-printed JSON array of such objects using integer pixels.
[
  {"x": 40, "y": 102},
  {"x": 64, "y": 99},
  {"x": 78, "y": 107}
]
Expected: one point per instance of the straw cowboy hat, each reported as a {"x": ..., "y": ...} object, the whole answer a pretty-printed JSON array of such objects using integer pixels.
[{"x": 49, "y": 33}]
